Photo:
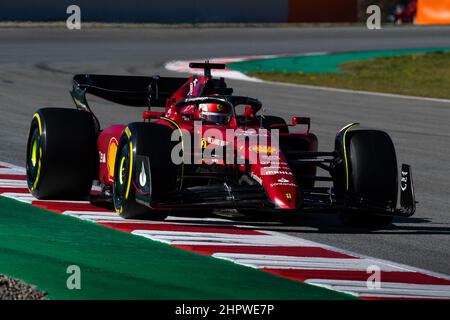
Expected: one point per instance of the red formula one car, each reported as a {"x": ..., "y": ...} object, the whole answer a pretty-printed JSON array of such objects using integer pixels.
[{"x": 209, "y": 149}]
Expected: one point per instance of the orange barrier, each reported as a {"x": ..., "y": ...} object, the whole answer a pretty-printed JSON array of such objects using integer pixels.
[{"x": 433, "y": 12}]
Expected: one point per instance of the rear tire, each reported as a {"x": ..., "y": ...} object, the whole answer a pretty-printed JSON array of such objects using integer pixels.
[
  {"x": 154, "y": 142},
  {"x": 62, "y": 157},
  {"x": 372, "y": 174}
]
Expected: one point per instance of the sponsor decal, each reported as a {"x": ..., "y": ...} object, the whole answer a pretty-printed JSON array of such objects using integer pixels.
[
  {"x": 274, "y": 172},
  {"x": 251, "y": 132},
  {"x": 263, "y": 149},
  {"x": 111, "y": 159},
  {"x": 192, "y": 86},
  {"x": 269, "y": 171},
  {"x": 102, "y": 157},
  {"x": 142, "y": 176},
  {"x": 273, "y": 160},
  {"x": 216, "y": 142},
  {"x": 404, "y": 181},
  {"x": 283, "y": 180},
  {"x": 197, "y": 99},
  {"x": 270, "y": 158},
  {"x": 212, "y": 140},
  {"x": 279, "y": 184}
]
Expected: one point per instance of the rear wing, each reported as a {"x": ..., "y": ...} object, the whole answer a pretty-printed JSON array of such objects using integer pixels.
[
  {"x": 135, "y": 91},
  {"x": 207, "y": 67}
]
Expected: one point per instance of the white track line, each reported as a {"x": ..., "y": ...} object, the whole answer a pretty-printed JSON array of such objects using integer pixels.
[
  {"x": 195, "y": 235},
  {"x": 387, "y": 289},
  {"x": 11, "y": 171},
  {"x": 193, "y": 219},
  {"x": 99, "y": 217},
  {"x": 22, "y": 197},
  {"x": 306, "y": 263},
  {"x": 377, "y": 261},
  {"x": 92, "y": 214},
  {"x": 13, "y": 183},
  {"x": 201, "y": 238},
  {"x": 12, "y": 167}
]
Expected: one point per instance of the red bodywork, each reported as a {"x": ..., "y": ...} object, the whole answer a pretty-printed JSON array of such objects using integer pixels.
[{"x": 280, "y": 184}]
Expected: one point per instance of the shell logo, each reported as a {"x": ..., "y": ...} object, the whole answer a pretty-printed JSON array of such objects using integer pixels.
[
  {"x": 111, "y": 158},
  {"x": 263, "y": 149}
]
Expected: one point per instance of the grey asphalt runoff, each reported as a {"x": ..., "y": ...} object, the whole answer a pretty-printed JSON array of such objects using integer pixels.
[{"x": 36, "y": 66}]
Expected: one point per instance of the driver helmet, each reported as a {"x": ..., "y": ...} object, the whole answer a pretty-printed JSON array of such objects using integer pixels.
[{"x": 214, "y": 113}]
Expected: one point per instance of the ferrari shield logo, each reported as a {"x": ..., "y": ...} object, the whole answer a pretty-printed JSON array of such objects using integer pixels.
[{"x": 288, "y": 196}]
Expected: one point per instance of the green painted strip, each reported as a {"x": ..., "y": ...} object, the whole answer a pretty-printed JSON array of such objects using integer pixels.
[
  {"x": 320, "y": 63},
  {"x": 37, "y": 246}
]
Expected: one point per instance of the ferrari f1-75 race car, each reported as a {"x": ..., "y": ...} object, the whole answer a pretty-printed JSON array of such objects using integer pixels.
[{"x": 209, "y": 149}]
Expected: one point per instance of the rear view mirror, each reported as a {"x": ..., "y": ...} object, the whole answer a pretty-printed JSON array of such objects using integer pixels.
[{"x": 301, "y": 120}]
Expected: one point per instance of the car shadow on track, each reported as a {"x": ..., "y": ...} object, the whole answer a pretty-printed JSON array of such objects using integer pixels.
[
  {"x": 300, "y": 223},
  {"x": 312, "y": 223}
]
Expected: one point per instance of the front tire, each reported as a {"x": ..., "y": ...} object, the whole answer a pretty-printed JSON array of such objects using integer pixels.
[
  {"x": 152, "y": 141},
  {"x": 371, "y": 174}
]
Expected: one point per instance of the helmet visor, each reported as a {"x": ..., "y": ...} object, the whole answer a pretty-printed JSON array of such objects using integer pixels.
[{"x": 216, "y": 117}]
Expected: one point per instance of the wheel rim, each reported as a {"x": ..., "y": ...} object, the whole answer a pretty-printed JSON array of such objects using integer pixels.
[
  {"x": 33, "y": 153},
  {"x": 122, "y": 171},
  {"x": 123, "y": 175},
  {"x": 34, "y": 158}
]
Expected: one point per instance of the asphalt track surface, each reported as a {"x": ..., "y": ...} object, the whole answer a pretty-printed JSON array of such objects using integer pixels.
[{"x": 36, "y": 66}]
